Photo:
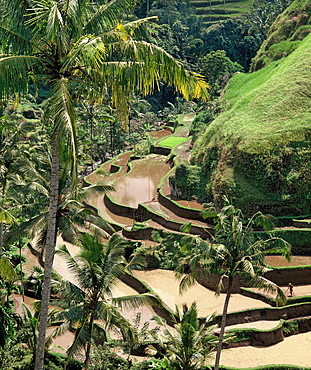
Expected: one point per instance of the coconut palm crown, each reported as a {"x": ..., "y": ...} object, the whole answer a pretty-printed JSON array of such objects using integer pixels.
[
  {"x": 88, "y": 303},
  {"x": 233, "y": 252}
]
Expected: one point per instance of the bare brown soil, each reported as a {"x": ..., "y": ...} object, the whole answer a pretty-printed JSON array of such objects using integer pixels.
[
  {"x": 159, "y": 134},
  {"x": 294, "y": 350},
  {"x": 279, "y": 261}
]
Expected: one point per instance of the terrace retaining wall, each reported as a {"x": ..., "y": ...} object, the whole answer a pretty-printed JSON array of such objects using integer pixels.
[
  {"x": 267, "y": 313},
  {"x": 296, "y": 276},
  {"x": 190, "y": 213},
  {"x": 147, "y": 214}
]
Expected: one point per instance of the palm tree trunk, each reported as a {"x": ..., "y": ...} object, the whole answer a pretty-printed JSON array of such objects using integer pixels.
[
  {"x": 1, "y": 238},
  {"x": 49, "y": 253},
  {"x": 88, "y": 346},
  {"x": 21, "y": 271},
  {"x": 223, "y": 323}
]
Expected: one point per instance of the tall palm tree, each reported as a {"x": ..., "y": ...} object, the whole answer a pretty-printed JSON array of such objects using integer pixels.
[
  {"x": 234, "y": 252},
  {"x": 190, "y": 344},
  {"x": 79, "y": 45},
  {"x": 88, "y": 304}
]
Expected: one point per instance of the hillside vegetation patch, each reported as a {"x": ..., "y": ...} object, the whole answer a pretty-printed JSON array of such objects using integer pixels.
[{"x": 258, "y": 150}]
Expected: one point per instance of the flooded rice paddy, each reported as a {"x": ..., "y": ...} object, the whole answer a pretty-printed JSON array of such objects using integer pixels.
[{"x": 141, "y": 183}]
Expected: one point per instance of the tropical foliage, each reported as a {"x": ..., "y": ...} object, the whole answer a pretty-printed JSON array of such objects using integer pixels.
[
  {"x": 92, "y": 67},
  {"x": 190, "y": 343},
  {"x": 234, "y": 253},
  {"x": 80, "y": 50},
  {"x": 88, "y": 305}
]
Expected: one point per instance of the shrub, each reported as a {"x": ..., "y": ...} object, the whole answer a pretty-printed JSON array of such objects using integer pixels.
[
  {"x": 103, "y": 358},
  {"x": 290, "y": 327}
]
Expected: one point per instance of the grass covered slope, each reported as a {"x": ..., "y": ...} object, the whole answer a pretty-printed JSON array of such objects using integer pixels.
[
  {"x": 258, "y": 150},
  {"x": 268, "y": 107},
  {"x": 292, "y": 26}
]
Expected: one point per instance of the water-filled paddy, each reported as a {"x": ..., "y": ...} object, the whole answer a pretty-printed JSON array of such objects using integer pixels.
[{"x": 141, "y": 183}]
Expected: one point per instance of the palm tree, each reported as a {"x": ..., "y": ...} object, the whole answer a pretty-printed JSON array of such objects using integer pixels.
[
  {"x": 190, "y": 344},
  {"x": 236, "y": 253},
  {"x": 8, "y": 275},
  {"x": 12, "y": 137},
  {"x": 79, "y": 46},
  {"x": 88, "y": 304},
  {"x": 73, "y": 214},
  {"x": 30, "y": 326},
  {"x": 9, "y": 322}
]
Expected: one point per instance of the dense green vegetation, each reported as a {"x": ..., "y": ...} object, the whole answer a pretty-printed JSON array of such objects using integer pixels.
[
  {"x": 213, "y": 10},
  {"x": 77, "y": 81},
  {"x": 233, "y": 254},
  {"x": 257, "y": 150},
  {"x": 81, "y": 52}
]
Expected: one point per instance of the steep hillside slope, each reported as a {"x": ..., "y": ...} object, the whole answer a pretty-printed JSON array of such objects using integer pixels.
[
  {"x": 258, "y": 150},
  {"x": 292, "y": 26}
]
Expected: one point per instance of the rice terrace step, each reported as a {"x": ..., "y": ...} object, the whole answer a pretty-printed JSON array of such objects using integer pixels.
[{"x": 213, "y": 11}]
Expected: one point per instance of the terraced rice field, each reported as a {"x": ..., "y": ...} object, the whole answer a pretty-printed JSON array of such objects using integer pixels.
[{"x": 218, "y": 10}]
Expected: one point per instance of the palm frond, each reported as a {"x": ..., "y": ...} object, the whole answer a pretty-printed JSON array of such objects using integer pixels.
[
  {"x": 268, "y": 286},
  {"x": 72, "y": 10},
  {"x": 262, "y": 220},
  {"x": 55, "y": 26},
  {"x": 186, "y": 282},
  {"x": 20, "y": 42},
  {"x": 14, "y": 74},
  {"x": 34, "y": 187},
  {"x": 59, "y": 330},
  {"x": 136, "y": 301},
  {"x": 82, "y": 336},
  {"x": 7, "y": 271},
  {"x": 140, "y": 70},
  {"x": 244, "y": 266},
  {"x": 108, "y": 15},
  {"x": 71, "y": 261},
  {"x": 97, "y": 226},
  {"x": 279, "y": 245},
  {"x": 61, "y": 112},
  {"x": 138, "y": 27},
  {"x": 137, "y": 262},
  {"x": 29, "y": 228},
  {"x": 101, "y": 187},
  {"x": 89, "y": 50},
  {"x": 71, "y": 311},
  {"x": 6, "y": 216}
]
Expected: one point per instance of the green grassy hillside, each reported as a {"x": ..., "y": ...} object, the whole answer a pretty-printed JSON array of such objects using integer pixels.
[
  {"x": 292, "y": 26},
  {"x": 217, "y": 10},
  {"x": 258, "y": 150},
  {"x": 268, "y": 107}
]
